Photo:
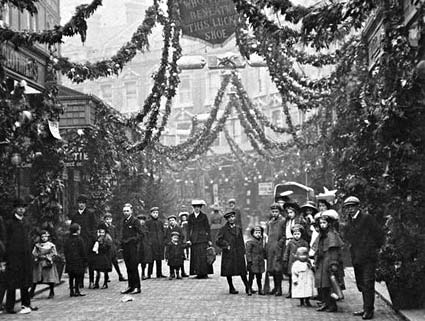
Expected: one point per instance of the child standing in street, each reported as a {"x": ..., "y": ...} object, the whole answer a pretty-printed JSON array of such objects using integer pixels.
[
  {"x": 157, "y": 236},
  {"x": 302, "y": 278},
  {"x": 101, "y": 256},
  {"x": 76, "y": 259},
  {"x": 255, "y": 255},
  {"x": 44, "y": 269},
  {"x": 290, "y": 251},
  {"x": 144, "y": 249},
  {"x": 112, "y": 231},
  {"x": 175, "y": 255}
]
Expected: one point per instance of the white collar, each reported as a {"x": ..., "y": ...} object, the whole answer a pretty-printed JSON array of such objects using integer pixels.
[
  {"x": 196, "y": 215},
  {"x": 81, "y": 211},
  {"x": 355, "y": 215},
  {"x": 20, "y": 218}
]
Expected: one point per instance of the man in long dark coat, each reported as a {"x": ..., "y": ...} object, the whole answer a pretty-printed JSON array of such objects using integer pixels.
[
  {"x": 365, "y": 238},
  {"x": 199, "y": 240},
  {"x": 131, "y": 233},
  {"x": 86, "y": 218},
  {"x": 230, "y": 240},
  {"x": 18, "y": 259},
  {"x": 239, "y": 220},
  {"x": 157, "y": 239}
]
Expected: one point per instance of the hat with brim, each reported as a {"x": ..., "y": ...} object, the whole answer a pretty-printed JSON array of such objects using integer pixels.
[
  {"x": 297, "y": 228},
  {"x": 275, "y": 206},
  {"x": 331, "y": 214},
  {"x": 310, "y": 205},
  {"x": 229, "y": 213},
  {"x": 175, "y": 233},
  {"x": 351, "y": 200},
  {"x": 232, "y": 200},
  {"x": 257, "y": 228},
  {"x": 172, "y": 216},
  {"x": 141, "y": 217},
  {"x": 82, "y": 198},
  {"x": 155, "y": 208},
  {"x": 293, "y": 206},
  {"x": 183, "y": 214},
  {"x": 107, "y": 215},
  {"x": 215, "y": 207},
  {"x": 198, "y": 203},
  {"x": 19, "y": 202}
]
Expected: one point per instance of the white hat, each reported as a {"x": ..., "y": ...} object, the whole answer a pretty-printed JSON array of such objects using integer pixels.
[
  {"x": 198, "y": 202},
  {"x": 332, "y": 214},
  {"x": 351, "y": 200}
]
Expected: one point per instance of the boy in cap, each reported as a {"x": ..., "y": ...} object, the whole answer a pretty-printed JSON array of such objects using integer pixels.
[
  {"x": 144, "y": 247},
  {"x": 173, "y": 226},
  {"x": 175, "y": 255},
  {"x": 112, "y": 231},
  {"x": 157, "y": 237},
  {"x": 365, "y": 237},
  {"x": 255, "y": 255},
  {"x": 232, "y": 206},
  {"x": 230, "y": 240}
]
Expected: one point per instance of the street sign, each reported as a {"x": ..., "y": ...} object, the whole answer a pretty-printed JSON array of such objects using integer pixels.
[
  {"x": 265, "y": 189},
  {"x": 211, "y": 21}
]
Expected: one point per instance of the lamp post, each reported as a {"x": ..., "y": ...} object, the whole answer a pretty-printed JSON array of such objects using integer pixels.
[{"x": 16, "y": 161}]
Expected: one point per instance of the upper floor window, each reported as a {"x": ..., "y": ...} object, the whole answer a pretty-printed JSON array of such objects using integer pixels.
[
  {"x": 185, "y": 91},
  {"x": 277, "y": 118},
  {"x": 130, "y": 96},
  {"x": 106, "y": 93},
  {"x": 32, "y": 21},
  {"x": 5, "y": 15}
]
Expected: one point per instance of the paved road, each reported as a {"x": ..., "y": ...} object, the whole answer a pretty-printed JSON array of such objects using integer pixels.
[{"x": 189, "y": 299}]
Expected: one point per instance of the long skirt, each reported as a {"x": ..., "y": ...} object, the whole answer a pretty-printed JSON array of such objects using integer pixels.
[{"x": 198, "y": 260}]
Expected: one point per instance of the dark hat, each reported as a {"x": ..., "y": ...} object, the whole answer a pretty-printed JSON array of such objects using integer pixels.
[
  {"x": 292, "y": 205},
  {"x": 275, "y": 206},
  {"x": 297, "y": 228},
  {"x": 183, "y": 214},
  {"x": 82, "y": 198},
  {"x": 310, "y": 205},
  {"x": 141, "y": 217},
  {"x": 175, "y": 233},
  {"x": 155, "y": 208},
  {"x": 107, "y": 215},
  {"x": 351, "y": 200},
  {"x": 257, "y": 228},
  {"x": 19, "y": 202},
  {"x": 229, "y": 212},
  {"x": 172, "y": 216}
]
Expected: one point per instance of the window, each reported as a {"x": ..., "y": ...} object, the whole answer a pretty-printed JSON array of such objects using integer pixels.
[
  {"x": 184, "y": 125},
  {"x": 32, "y": 21},
  {"x": 214, "y": 82},
  {"x": 5, "y": 15},
  {"x": 106, "y": 93},
  {"x": 185, "y": 91},
  {"x": 277, "y": 118},
  {"x": 130, "y": 97}
]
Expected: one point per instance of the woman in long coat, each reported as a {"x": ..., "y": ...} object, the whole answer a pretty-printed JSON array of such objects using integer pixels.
[
  {"x": 328, "y": 261},
  {"x": 230, "y": 240},
  {"x": 199, "y": 240},
  {"x": 275, "y": 247}
]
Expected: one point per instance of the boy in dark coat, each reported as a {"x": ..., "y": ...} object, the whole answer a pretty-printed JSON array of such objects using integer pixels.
[
  {"x": 157, "y": 237},
  {"x": 18, "y": 259},
  {"x": 230, "y": 240},
  {"x": 365, "y": 237},
  {"x": 112, "y": 231},
  {"x": 255, "y": 256},
  {"x": 175, "y": 255},
  {"x": 145, "y": 247},
  {"x": 173, "y": 226},
  {"x": 291, "y": 250},
  {"x": 76, "y": 259}
]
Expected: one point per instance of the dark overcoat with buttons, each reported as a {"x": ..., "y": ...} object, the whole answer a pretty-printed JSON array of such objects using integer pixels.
[{"x": 233, "y": 258}]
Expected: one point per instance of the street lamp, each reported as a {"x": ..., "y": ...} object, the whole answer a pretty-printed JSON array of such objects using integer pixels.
[{"x": 16, "y": 161}]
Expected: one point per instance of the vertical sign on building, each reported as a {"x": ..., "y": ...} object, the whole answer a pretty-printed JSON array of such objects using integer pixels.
[{"x": 211, "y": 21}]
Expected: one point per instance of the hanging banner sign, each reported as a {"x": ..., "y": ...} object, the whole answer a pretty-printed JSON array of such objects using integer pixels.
[{"x": 211, "y": 21}]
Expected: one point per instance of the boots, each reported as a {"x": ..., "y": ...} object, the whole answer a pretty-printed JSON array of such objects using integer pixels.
[
  {"x": 260, "y": 288},
  {"x": 71, "y": 292},
  {"x": 232, "y": 289},
  {"x": 106, "y": 280},
  {"x": 96, "y": 283},
  {"x": 278, "y": 285},
  {"x": 52, "y": 291},
  {"x": 178, "y": 277}
]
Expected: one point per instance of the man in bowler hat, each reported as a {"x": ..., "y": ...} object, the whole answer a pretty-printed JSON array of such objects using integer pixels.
[{"x": 365, "y": 238}]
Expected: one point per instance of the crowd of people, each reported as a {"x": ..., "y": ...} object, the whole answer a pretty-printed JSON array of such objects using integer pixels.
[{"x": 303, "y": 243}]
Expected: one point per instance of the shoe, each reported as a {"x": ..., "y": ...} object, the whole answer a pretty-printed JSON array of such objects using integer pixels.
[
  {"x": 308, "y": 304},
  {"x": 170, "y": 278},
  {"x": 9, "y": 311},
  {"x": 79, "y": 294},
  {"x": 179, "y": 277},
  {"x": 105, "y": 286},
  {"x": 136, "y": 291},
  {"x": 94, "y": 287},
  {"x": 71, "y": 294},
  {"x": 288, "y": 296},
  {"x": 33, "y": 308},
  {"x": 122, "y": 279},
  {"x": 233, "y": 291},
  {"x": 261, "y": 292},
  {"x": 272, "y": 291},
  {"x": 160, "y": 276},
  {"x": 146, "y": 277},
  {"x": 331, "y": 309},
  {"x": 358, "y": 313},
  {"x": 128, "y": 290},
  {"x": 322, "y": 308},
  {"x": 278, "y": 292},
  {"x": 25, "y": 310},
  {"x": 185, "y": 275},
  {"x": 367, "y": 315},
  {"x": 91, "y": 285},
  {"x": 51, "y": 295}
]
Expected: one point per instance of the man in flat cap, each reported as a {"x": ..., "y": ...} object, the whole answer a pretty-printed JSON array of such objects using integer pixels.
[
  {"x": 365, "y": 237},
  {"x": 86, "y": 218},
  {"x": 232, "y": 206},
  {"x": 157, "y": 238},
  {"x": 199, "y": 240}
]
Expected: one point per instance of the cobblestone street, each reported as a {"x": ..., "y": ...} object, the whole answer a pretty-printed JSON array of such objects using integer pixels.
[{"x": 189, "y": 299}]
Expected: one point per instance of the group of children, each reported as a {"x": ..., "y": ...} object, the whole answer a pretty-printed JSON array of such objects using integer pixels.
[{"x": 302, "y": 243}]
